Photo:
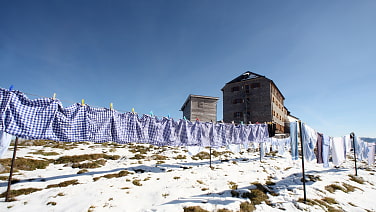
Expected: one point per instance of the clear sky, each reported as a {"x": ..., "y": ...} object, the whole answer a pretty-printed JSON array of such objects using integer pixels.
[{"x": 150, "y": 55}]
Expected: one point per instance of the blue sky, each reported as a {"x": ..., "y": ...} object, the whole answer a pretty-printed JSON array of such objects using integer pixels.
[{"x": 150, "y": 55}]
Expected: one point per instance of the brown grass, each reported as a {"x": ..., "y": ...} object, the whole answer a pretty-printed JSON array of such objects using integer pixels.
[
  {"x": 108, "y": 176},
  {"x": 42, "y": 152},
  {"x": 24, "y": 191},
  {"x": 139, "y": 149},
  {"x": 82, "y": 171},
  {"x": 357, "y": 179},
  {"x": 201, "y": 156},
  {"x": 180, "y": 157},
  {"x": 334, "y": 187},
  {"x": 137, "y": 182},
  {"x": 80, "y": 158},
  {"x": 63, "y": 184},
  {"x": 90, "y": 165},
  {"x": 224, "y": 210},
  {"x": 217, "y": 154},
  {"x": 232, "y": 185},
  {"x": 159, "y": 157},
  {"x": 324, "y": 203},
  {"x": 194, "y": 209},
  {"x": 26, "y": 164},
  {"x": 247, "y": 207},
  {"x": 138, "y": 157}
]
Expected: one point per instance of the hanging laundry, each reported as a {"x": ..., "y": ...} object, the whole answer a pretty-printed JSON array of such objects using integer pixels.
[
  {"x": 368, "y": 145},
  {"x": 274, "y": 145},
  {"x": 46, "y": 118},
  {"x": 268, "y": 145},
  {"x": 100, "y": 124},
  {"x": 309, "y": 137},
  {"x": 371, "y": 153},
  {"x": 319, "y": 146},
  {"x": 338, "y": 149},
  {"x": 262, "y": 150},
  {"x": 235, "y": 148},
  {"x": 207, "y": 134},
  {"x": 325, "y": 150},
  {"x": 348, "y": 144},
  {"x": 168, "y": 128},
  {"x": 5, "y": 140},
  {"x": 230, "y": 133},
  {"x": 183, "y": 133},
  {"x": 361, "y": 149},
  {"x": 294, "y": 140},
  {"x": 283, "y": 145},
  {"x": 258, "y": 132},
  {"x": 237, "y": 134},
  {"x": 70, "y": 124},
  {"x": 5, "y": 97},
  {"x": 244, "y": 131},
  {"x": 30, "y": 119},
  {"x": 152, "y": 132},
  {"x": 219, "y": 135},
  {"x": 196, "y": 133}
]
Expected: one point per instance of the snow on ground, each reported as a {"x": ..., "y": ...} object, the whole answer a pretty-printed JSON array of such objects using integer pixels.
[{"x": 181, "y": 180}]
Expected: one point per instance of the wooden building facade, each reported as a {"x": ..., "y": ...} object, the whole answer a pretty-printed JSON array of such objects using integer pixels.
[
  {"x": 253, "y": 98},
  {"x": 203, "y": 108}
]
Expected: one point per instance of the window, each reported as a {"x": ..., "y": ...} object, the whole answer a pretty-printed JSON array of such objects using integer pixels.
[
  {"x": 200, "y": 104},
  {"x": 238, "y": 115},
  {"x": 236, "y": 101},
  {"x": 255, "y": 85},
  {"x": 246, "y": 87},
  {"x": 236, "y": 88}
]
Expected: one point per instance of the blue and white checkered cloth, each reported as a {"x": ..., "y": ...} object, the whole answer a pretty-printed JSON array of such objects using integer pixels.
[
  {"x": 100, "y": 122},
  {"x": 30, "y": 119},
  {"x": 46, "y": 118},
  {"x": 5, "y": 97},
  {"x": 168, "y": 129}
]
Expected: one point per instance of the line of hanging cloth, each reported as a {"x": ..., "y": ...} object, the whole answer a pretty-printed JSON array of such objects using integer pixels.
[
  {"x": 46, "y": 118},
  {"x": 321, "y": 148}
]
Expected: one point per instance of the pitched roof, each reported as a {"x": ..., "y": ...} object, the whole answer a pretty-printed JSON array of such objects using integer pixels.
[
  {"x": 246, "y": 76},
  {"x": 250, "y": 75}
]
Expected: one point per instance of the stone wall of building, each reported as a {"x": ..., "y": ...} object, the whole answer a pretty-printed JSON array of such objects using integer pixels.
[
  {"x": 247, "y": 101},
  {"x": 253, "y": 99}
]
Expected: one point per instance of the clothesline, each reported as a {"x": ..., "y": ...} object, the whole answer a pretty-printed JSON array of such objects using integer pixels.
[
  {"x": 46, "y": 118},
  {"x": 320, "y": 147},
  {"x": 73, "y": 102}
]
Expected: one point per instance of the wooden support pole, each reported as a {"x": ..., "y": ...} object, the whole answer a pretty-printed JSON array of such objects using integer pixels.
[
  {"x": 11, "y": 170},
  {"x": 210, "y": 153},
  {"x": 303, "y": 171},
  {"x": 352, "y": 135}
]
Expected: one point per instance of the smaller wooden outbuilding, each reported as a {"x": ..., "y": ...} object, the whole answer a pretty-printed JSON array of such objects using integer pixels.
[{"x": 203, "y": 108}]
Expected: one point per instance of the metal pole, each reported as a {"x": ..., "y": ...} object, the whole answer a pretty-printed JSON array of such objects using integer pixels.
[
  {"x": 352, "y": 135},
  {"x": 210, "y": 150},
  {"x": 210, "y": 153},
  {"x": 304, "y": 179},
  {"x": 11, "y": 170}
]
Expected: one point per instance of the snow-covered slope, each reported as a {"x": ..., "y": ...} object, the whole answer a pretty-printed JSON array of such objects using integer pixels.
[{"x": 169, "y": 179}]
